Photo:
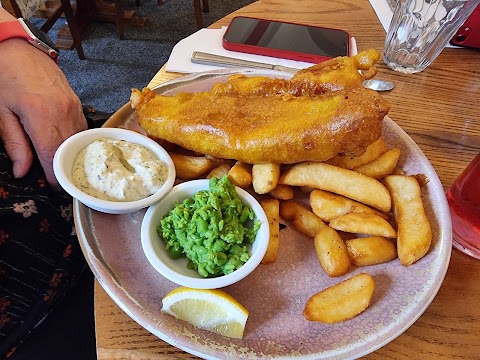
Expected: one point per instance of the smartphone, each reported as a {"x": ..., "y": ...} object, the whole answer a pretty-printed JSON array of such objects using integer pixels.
[
  {"x": 469, "y": 33},
  {"x": 285, "y": 40}
]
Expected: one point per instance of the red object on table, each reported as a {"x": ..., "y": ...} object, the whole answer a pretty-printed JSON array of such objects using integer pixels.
[{"x": 464, "y": 200}]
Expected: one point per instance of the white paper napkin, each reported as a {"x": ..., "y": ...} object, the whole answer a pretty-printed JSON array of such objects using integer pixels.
[
  {"x": 210, "y": 41},
  {"x": 383, "y": 11}
]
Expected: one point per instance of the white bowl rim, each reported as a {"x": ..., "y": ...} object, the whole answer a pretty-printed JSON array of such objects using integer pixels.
[
  {"x": 108, "y": 206},
  {"x": 205, "y": 283}
]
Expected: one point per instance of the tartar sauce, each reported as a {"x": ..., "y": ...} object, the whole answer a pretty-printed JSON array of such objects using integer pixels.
[{"x": 118, "y": 170}]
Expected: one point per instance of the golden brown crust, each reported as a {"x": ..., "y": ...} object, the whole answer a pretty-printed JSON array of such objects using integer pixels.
[
  {"x": 258, "y": 129},
  {"x": 336, "y": 74},
  {"x": 319, "y": 113}
]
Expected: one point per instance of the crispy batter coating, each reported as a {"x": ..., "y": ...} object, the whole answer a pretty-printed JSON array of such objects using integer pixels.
[
  {"x": 258, "y": 129},
  {"x": 336, "y": 74},
  {"x": 321, "y": 112}
]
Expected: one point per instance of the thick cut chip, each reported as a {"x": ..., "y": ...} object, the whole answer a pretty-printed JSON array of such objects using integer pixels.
[
  {"x": 282, "y": 192},
  {"x": 371, "y": 250},
  {"x": 384, "y": 165},
  {"x": 219, "y": 171},
  {"x": 241, "y": 174},
  {"x": 265, "y": 177},
  {"x": 342, "y": 301},
  {"x": 191, "y": 167},
  {"x": 301, "y": 218},
  {"x": 373, "y": 151},
  {"x": 331, "y": 252},
  {"x": 414, "y": 234},
  {"x": 272, "y": 209},
  {"x": 340, "y": 181},
  {"x": 328, "y": 206},
  {"x": 366, "y": 224}
]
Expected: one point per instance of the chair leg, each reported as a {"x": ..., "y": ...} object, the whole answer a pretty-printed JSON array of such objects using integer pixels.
[
  {"x": 198, "y": 13},
  {"x": 16, "y": 9},
  {"x": 119, "y": 19},
  {"x": 52, "y": 19},
  {"x": 206, "y": 8},
  {"x": 74, "y": 30}
]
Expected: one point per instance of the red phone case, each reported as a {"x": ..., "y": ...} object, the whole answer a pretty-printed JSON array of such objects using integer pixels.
[
  {"x": 284, "y": 54},
  {"x": 469, "y": 33}
]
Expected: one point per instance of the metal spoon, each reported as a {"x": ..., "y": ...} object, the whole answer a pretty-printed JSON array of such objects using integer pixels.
[{"x": 378, "y": 85}]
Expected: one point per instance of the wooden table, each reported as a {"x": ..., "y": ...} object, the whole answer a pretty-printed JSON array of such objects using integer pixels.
[{"x": 440, "y": 109}]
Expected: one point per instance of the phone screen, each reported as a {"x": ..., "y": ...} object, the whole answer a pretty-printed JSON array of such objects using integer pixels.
[{"x": 282, "y": 36}]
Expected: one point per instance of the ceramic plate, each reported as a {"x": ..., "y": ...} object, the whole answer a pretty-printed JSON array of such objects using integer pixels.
[{"x": 274, "y": 294}]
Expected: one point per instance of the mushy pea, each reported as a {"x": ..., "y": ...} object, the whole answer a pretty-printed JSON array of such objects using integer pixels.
[{"x": 210, "y": 229}]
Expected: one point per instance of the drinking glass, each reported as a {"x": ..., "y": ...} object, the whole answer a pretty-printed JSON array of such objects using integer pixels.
[
  {"x": 464, "y": 201},
  {"x": 420, "y": 29}
]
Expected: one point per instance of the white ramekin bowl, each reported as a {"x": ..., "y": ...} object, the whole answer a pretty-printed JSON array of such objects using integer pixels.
[
  {"x": 176, "y": 269},
  {"x": 68, "y": 150}
]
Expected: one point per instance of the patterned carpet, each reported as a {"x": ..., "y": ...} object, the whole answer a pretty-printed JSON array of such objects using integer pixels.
[{"x": 114, "y": 66}]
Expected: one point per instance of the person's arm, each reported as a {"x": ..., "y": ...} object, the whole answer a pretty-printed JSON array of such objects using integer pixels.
[
  {"x": 5, "y": 15},
  {"x": 37, "y": 105}
]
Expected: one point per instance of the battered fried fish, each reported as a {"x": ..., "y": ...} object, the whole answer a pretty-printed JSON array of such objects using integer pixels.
[
  {"x": 319, "y": 113},
  {"x": 258, "y": 129},
  {"x": 336, "y": 74}
]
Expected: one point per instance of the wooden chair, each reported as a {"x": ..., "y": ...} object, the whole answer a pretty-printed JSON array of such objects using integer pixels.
[
  {"x": 64, "y": 8},
  {"x": 198, "y": 11},
  {"x": 122, "y": 16},
  {"x": 197, "y": 5}
]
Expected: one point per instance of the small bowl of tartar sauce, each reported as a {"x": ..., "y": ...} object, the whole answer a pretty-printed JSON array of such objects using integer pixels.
[{"x": 114, "y": 170}]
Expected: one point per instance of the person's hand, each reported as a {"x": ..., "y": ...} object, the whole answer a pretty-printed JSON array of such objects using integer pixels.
[{"x": 37, "y": 104}]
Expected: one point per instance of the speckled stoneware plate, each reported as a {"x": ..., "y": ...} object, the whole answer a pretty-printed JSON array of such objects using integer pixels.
[{"x": 274, "y": 294}]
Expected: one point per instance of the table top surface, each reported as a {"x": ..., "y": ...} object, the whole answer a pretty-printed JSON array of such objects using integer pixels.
[{"x": 442, "y": 117}]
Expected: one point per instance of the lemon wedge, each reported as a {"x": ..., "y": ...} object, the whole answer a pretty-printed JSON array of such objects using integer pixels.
[{"x": 212, "y": 310}]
